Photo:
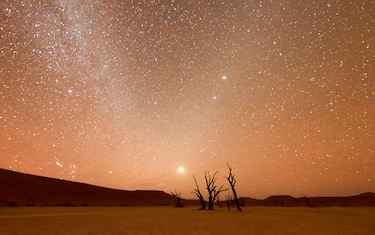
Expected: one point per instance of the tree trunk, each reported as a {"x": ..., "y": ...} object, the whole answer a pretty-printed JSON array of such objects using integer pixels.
[
  {"x": 237, "y": 201},
  {"x": 232, "y": 181},
  {"x": 210, "y": 203}
]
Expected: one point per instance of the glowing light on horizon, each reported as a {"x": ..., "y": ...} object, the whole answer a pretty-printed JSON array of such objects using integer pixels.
[{"x": 181, "y": 170}]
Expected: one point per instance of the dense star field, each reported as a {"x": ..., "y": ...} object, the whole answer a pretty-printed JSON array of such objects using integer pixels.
[{"x": 145, "y": 94}]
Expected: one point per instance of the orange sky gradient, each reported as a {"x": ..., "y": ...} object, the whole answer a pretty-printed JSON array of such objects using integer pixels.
[{"x": 122, "y": 93}]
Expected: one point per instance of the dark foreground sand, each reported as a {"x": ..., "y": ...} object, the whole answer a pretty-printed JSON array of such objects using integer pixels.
[{"x": 169, "y": 220}]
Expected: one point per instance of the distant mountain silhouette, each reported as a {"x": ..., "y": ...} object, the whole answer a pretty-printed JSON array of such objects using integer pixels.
[
  {"x": 30, "y": 190},
  {"x": 362, "y": 200},
  {"x": 20, "y": 189}
]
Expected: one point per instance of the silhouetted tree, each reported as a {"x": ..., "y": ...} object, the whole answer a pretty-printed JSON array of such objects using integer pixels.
[
  {"x": 219, "y": 201},
  {"x": 177, "y": 196},
  {"x": 308, "y": 201},
  {"x": 198, "y": 193},
  {"x": 212, "y": 189},
  {"x": 2, "y": 203},
  {"x": 229, "y": 201},
  {"x": 232, "y": 181}
]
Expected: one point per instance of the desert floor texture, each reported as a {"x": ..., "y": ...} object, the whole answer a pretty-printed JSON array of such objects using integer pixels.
[{"x": 188, "y": 220}]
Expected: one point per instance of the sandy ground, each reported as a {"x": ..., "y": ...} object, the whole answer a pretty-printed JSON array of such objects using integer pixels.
[{"x": 169, "y": 220}]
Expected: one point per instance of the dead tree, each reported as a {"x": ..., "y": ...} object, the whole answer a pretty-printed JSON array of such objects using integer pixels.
[
  {"x": 229, "y": 200},
  {"x": 232, "y": 181},
  {"x": 308, "y": 201},
  {"x": 2, "y": 206},
  {"x": 219, "y": 201},
  {"x": 177, "y": 196},
  {"x": 198, "y": 193},
  {"x": 3, "y": 203},
  {"x": 212, "y": 189}
]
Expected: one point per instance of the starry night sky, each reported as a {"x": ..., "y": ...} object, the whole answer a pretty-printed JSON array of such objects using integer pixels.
[{"x": 123, "y": 93}]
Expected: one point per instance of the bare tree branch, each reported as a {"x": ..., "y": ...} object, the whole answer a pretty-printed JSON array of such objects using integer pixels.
[
  {"x": 177, "y": 196},
  {"x": 212, "y": 189},
  {"x": 232, "y": 181},
  {"x": 198, "y": 193}
]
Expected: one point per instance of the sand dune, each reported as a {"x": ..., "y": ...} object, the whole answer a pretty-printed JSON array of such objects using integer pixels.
[
  {"x": 24, "y": 189},
  {"x": 19, "y": 189}
]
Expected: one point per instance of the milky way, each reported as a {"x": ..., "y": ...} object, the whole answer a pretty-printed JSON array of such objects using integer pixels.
[{"x": 125, "y": 94}]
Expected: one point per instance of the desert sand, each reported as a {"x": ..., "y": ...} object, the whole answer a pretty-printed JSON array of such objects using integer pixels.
[{"x": 188, "y": 220}]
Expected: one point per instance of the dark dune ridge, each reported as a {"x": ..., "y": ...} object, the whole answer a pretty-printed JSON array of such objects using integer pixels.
[
  {"x": 362, "y": 200},
  {"x": 20, "y": 189},
  {"x": 31, "y": 190}
]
